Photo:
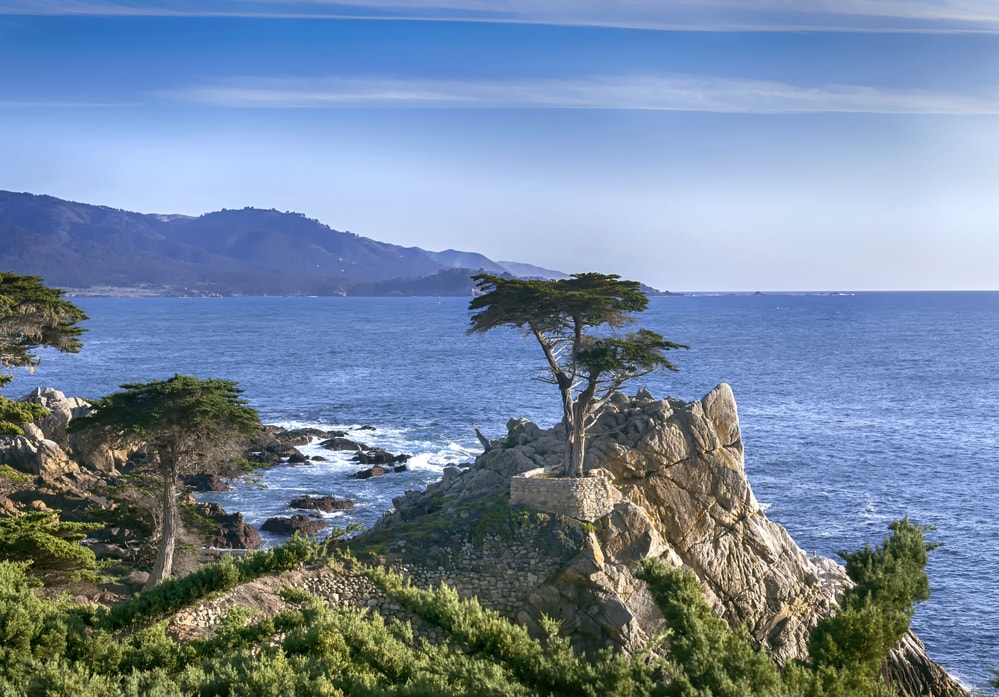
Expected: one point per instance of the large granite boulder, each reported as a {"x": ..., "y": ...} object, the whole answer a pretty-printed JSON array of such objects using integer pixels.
[
  {"x": 83, "y": 448},
  {"x": 43, "y": 458},
  {"x": 681, "y": 495}
]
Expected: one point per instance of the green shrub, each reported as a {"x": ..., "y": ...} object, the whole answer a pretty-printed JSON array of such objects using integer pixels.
[
  {"x": 14, "y": 415},
  {"x": 11, "y": 474},
  {"x": 706, "y": 656},
  {"x": 52, "y": 546},
  {"x": 549, "y": 668},
  {"x": 49, "y": 647},
  {"x": 177, "y": 593},
  {"x": 293, "y": 594}
]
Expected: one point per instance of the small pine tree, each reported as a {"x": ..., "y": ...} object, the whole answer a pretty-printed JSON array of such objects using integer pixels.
[{"x": 188, "y": 423}]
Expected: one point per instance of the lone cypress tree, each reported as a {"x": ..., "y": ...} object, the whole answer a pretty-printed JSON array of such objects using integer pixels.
[
  {"x": 586, "y": 367},
  {"x": 188, "y": 424}
]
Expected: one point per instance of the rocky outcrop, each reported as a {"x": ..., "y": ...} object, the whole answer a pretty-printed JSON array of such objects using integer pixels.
[
  {"x": 82, "y": 448},
  {"x": 325, "y": 504},
  {"x": 299, "y": 523},
  {"x": 682, "y": 495},
  {"x": 205, "y": 481},
  {"x": 38, "y": 457},
  {"x": 379, "y": 456},
  {"x": 233, "y": 532}
]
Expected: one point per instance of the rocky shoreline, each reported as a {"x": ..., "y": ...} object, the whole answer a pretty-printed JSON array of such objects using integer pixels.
[
  {"x": 677, "y": 490},
  {"x": 87, "y": 482}
]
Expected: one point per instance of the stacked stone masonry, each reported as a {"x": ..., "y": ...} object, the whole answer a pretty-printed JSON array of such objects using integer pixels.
[
  {"x": 583, "y": 498},
  {"x": 500, "y": 572}
]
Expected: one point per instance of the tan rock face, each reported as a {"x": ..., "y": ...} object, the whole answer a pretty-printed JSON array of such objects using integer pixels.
[
  {"x": 685, "y": 469},
  {"x": 680, "y": 470},
  {"x": 40, "y": 458},
  {"x": 84, "y": 449}
]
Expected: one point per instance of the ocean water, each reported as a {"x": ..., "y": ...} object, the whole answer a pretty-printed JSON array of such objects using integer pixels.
[{"x": 856, "y": 409}]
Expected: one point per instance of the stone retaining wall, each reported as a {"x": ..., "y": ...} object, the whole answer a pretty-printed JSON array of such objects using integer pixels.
[
  {"x": 583, "y": 498},
  {"x": 500, "y": 571}
]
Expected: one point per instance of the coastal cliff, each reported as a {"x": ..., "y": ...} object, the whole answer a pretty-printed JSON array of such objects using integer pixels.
[
  {"x": 677, "y": 490},
  {"x": 665, "y": 479}
]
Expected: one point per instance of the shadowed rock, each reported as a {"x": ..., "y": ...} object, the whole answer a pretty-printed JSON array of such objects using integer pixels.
[
  {"x": 296, "y": 523},
  {"x": 326, "y": 504}
]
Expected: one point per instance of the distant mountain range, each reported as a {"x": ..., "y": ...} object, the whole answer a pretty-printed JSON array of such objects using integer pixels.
[{"x": 89, "y": 249}]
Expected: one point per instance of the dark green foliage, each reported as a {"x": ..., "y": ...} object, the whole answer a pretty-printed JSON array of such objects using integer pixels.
[
  {"x": 32, "y": 630},
  {"x": 33, "y": 315},
  {"x": 848, "y": 648},
  {"x": 549, "y": 668},
  {"x": 557, "y": 306},
  {"x": 189, "y": 424},
  {"x": 50, "y": 648},
  {"x": 13, "y": 415},
  {"x": 52, "y": 546},
  {"x": 173, "y": 415},
  {"x": 587, "y": 368},
  {"x": 706, "y": 657},
  {"x": 175, "y": 594}
]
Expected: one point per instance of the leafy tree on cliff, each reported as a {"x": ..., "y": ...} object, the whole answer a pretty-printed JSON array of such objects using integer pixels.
[
  {"x": 32, "y": 315},
  {"x": 188, "y": 424},
  {"x": 586, "y": 367}
]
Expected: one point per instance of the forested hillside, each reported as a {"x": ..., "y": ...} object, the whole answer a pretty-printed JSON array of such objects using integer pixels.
[{"x": 229, "y": 252}]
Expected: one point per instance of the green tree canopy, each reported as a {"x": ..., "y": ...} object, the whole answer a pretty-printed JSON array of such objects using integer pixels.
[
  {"x": 51, "y": 545},
  {"x": 586, "y": 366},
  {"x": 189, "y": 424},
  {"x": 32, "y": 315}
]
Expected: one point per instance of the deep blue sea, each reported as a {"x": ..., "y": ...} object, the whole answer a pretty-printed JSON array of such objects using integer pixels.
[{"x": 856, "y": 409}]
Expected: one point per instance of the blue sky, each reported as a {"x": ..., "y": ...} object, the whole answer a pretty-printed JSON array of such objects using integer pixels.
[{"x": 693, "y": 145}]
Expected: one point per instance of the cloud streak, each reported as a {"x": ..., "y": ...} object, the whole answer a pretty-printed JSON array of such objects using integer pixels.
[
  {"x": 655, "y": 93},
  {"x": 695, "y": 15}
]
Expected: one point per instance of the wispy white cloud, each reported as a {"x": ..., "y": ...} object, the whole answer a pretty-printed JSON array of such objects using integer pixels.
[
  {"x": 714, "y": 15},
  {"x": 664, "y": 93},
  {"x": 22, "y": 104}
]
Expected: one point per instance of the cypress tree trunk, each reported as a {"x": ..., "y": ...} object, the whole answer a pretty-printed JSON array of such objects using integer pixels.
[
  {"x": 576, "y": 445},
  {"x": 163, "y": 566},
  {"x": 575, "y": 437}
]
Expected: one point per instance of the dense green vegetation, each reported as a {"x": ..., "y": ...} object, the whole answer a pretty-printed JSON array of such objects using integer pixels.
[
  {"x": 189, "y": 424},
  {"x": 451, "y": 647},
  {"x": 32, "y": 315},
  {"x": 50, "y": 545}
]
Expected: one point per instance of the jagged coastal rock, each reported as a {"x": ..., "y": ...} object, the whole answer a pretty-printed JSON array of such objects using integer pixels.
[
  {"x": 46, "y": 449},
  {"x": 665, "y": 478},
  {"x": 679, "y": 491}
]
